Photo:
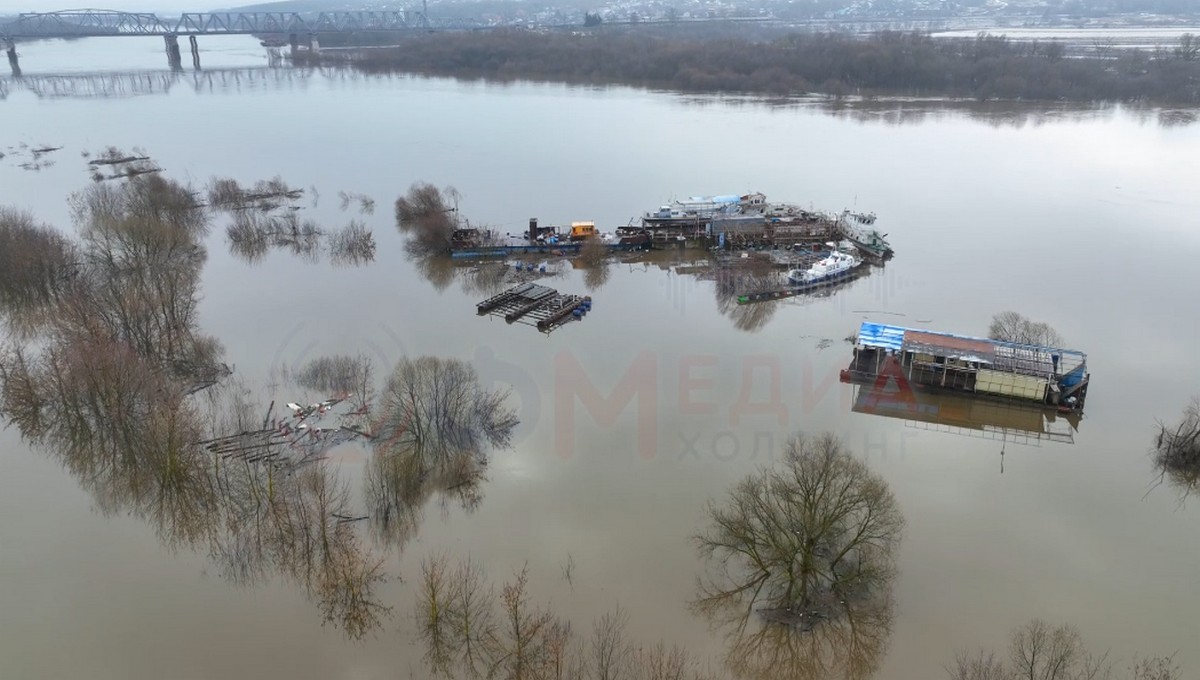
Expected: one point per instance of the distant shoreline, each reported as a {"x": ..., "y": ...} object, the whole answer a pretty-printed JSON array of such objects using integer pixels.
[{"x": 884, "y": 65}]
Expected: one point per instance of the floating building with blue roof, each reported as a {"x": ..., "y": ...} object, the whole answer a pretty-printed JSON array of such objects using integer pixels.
[{"x": 983, "y": 366}]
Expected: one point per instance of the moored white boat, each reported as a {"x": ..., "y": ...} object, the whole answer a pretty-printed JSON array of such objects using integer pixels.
[{"x": 834, "y": 266}]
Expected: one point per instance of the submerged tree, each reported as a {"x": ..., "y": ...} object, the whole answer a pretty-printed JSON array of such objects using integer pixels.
[
  {"x": 851, "y": 646},
  {"x": 593, "y": 258},
  {"x": 1177, "y": 449},
  {"x": 800, "y": 541},
  {"x": 112, "y": 388},
  {"x": 471, "y": 632},
  {"x": 433, "y": 428},
  {"x": 35, "y": 265},
  {"x": 1038, "y": 650},
  {"x": 338, "y": 374},
  {"x": 1013, "y": 327},
  {"x": 427, "y": 214},
  {"x": 352, "y": 245}
]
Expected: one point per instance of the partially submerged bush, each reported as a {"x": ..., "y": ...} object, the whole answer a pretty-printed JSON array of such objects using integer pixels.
[
  {"x": 35, "y": 261},
  {"x": 1177, "y": 449},
  {"x": 352, "y": 245},
  {"x": 426, "y": 215}
]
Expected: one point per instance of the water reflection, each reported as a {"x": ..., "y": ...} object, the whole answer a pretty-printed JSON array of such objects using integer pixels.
[
  {"x": 850, "y": 647},
  {"x": 890, "y": 111},
  {"x": 469, "y": 632},
  {"x": 965, "y": 416},
  {"x": 108, "y": 372},
  {"x": 756, "y": 273},
  {"x": 1177, "y": 450},
  {"x": 429, "y": 220},
  {"x": 433, "y": 429},
  {"x": 266, "y": 216},
  {"x": 110, "y": 388},
  {"x": 800, "y": 566}
]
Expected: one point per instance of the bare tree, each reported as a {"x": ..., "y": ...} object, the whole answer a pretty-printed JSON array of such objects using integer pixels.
[
  {"x": 978, "y": 666},
  {"x": 1156, "y": 668},
  {"x": 35, "y": 264},
  {"x": 1177, "y": 449},
  {"x": 468, "y": 632},
  {"x": 610, "y": 650},
  {"x": 801, "y": 540},
  {"x": 850, "y": 646},
  {"x": 426, "y": 212},
  {"x": 352, "y": 245},
  {"x": 593, "y": 259},
  {"x": 437, "y": 408},
  {"x": 1188, "y": 48},
  {"x": 1041, "y": 651},
  {"x": 433, "y": 619},
  {"x": 1013, "y": 327},
  {"x": 525, "y": 633}
]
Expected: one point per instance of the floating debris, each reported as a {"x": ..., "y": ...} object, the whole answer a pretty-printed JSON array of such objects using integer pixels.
[
  {"x": 536, "y": 305},
  {"x": 288, "y": 441}
]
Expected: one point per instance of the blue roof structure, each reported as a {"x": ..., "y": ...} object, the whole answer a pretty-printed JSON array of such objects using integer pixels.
[
  {"x": 1006, "y": 356},
  {"x": 881, "y": 335}
]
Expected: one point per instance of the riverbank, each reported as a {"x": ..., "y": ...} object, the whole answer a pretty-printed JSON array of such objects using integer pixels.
[{"x": 886, "y": 64}]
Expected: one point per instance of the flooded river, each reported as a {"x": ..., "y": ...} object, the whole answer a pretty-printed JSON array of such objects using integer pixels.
[{"x": 1083, "y": 219}]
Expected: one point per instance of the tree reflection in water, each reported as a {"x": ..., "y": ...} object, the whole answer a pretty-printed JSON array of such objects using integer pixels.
[
  {"x": 434, "y": 427},
  {"x": 850, "y": 646},
  {"x": 470, "y": 632},
  {"x": 751, "y": 275},
  {"x": 111, "y": 375},
  {"x": 1177, "y": 450},
  {"x": 266, "y": 216},
  {"x": 808, "y": 547}
]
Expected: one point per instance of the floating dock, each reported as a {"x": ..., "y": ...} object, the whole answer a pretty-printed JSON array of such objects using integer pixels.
[
  {"x": 536, "y": 305},
  {"x": 910, "y": 357},
  {"x": 559, "y": 249}
]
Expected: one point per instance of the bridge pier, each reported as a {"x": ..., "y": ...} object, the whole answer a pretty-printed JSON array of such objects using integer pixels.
[
  {"x": 314, "y": 45},
  {"x": 11, "y": 49},
  {"x": 294, "y": 42},
  {"x": 195, "y": 52},
  {"x": 174, "y": 59}
]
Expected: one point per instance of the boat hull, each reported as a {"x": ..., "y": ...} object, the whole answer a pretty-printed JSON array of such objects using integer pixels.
[{"x": 827, "y": 278}]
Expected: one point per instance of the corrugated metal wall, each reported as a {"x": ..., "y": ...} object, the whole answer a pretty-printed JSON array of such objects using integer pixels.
[{"x": 1011, "y": 385}]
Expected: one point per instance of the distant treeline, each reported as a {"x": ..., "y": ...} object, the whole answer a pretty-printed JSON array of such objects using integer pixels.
[{"x": 885, "y": 64}]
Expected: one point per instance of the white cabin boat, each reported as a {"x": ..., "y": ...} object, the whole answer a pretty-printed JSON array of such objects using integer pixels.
[{"x": 836, "y": 265}]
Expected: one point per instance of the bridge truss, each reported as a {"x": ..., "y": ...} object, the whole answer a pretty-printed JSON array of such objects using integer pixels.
[{"x": 99, "y": 23}]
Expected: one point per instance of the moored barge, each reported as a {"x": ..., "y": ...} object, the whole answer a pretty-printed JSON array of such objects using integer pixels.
[{"x": 988, "y": 368}]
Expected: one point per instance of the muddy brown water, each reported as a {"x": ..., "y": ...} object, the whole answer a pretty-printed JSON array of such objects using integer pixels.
[{"x": 1084, "y": 219}]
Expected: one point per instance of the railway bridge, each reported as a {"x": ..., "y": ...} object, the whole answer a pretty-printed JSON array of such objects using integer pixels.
[{"x": 290, "y": 26}]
